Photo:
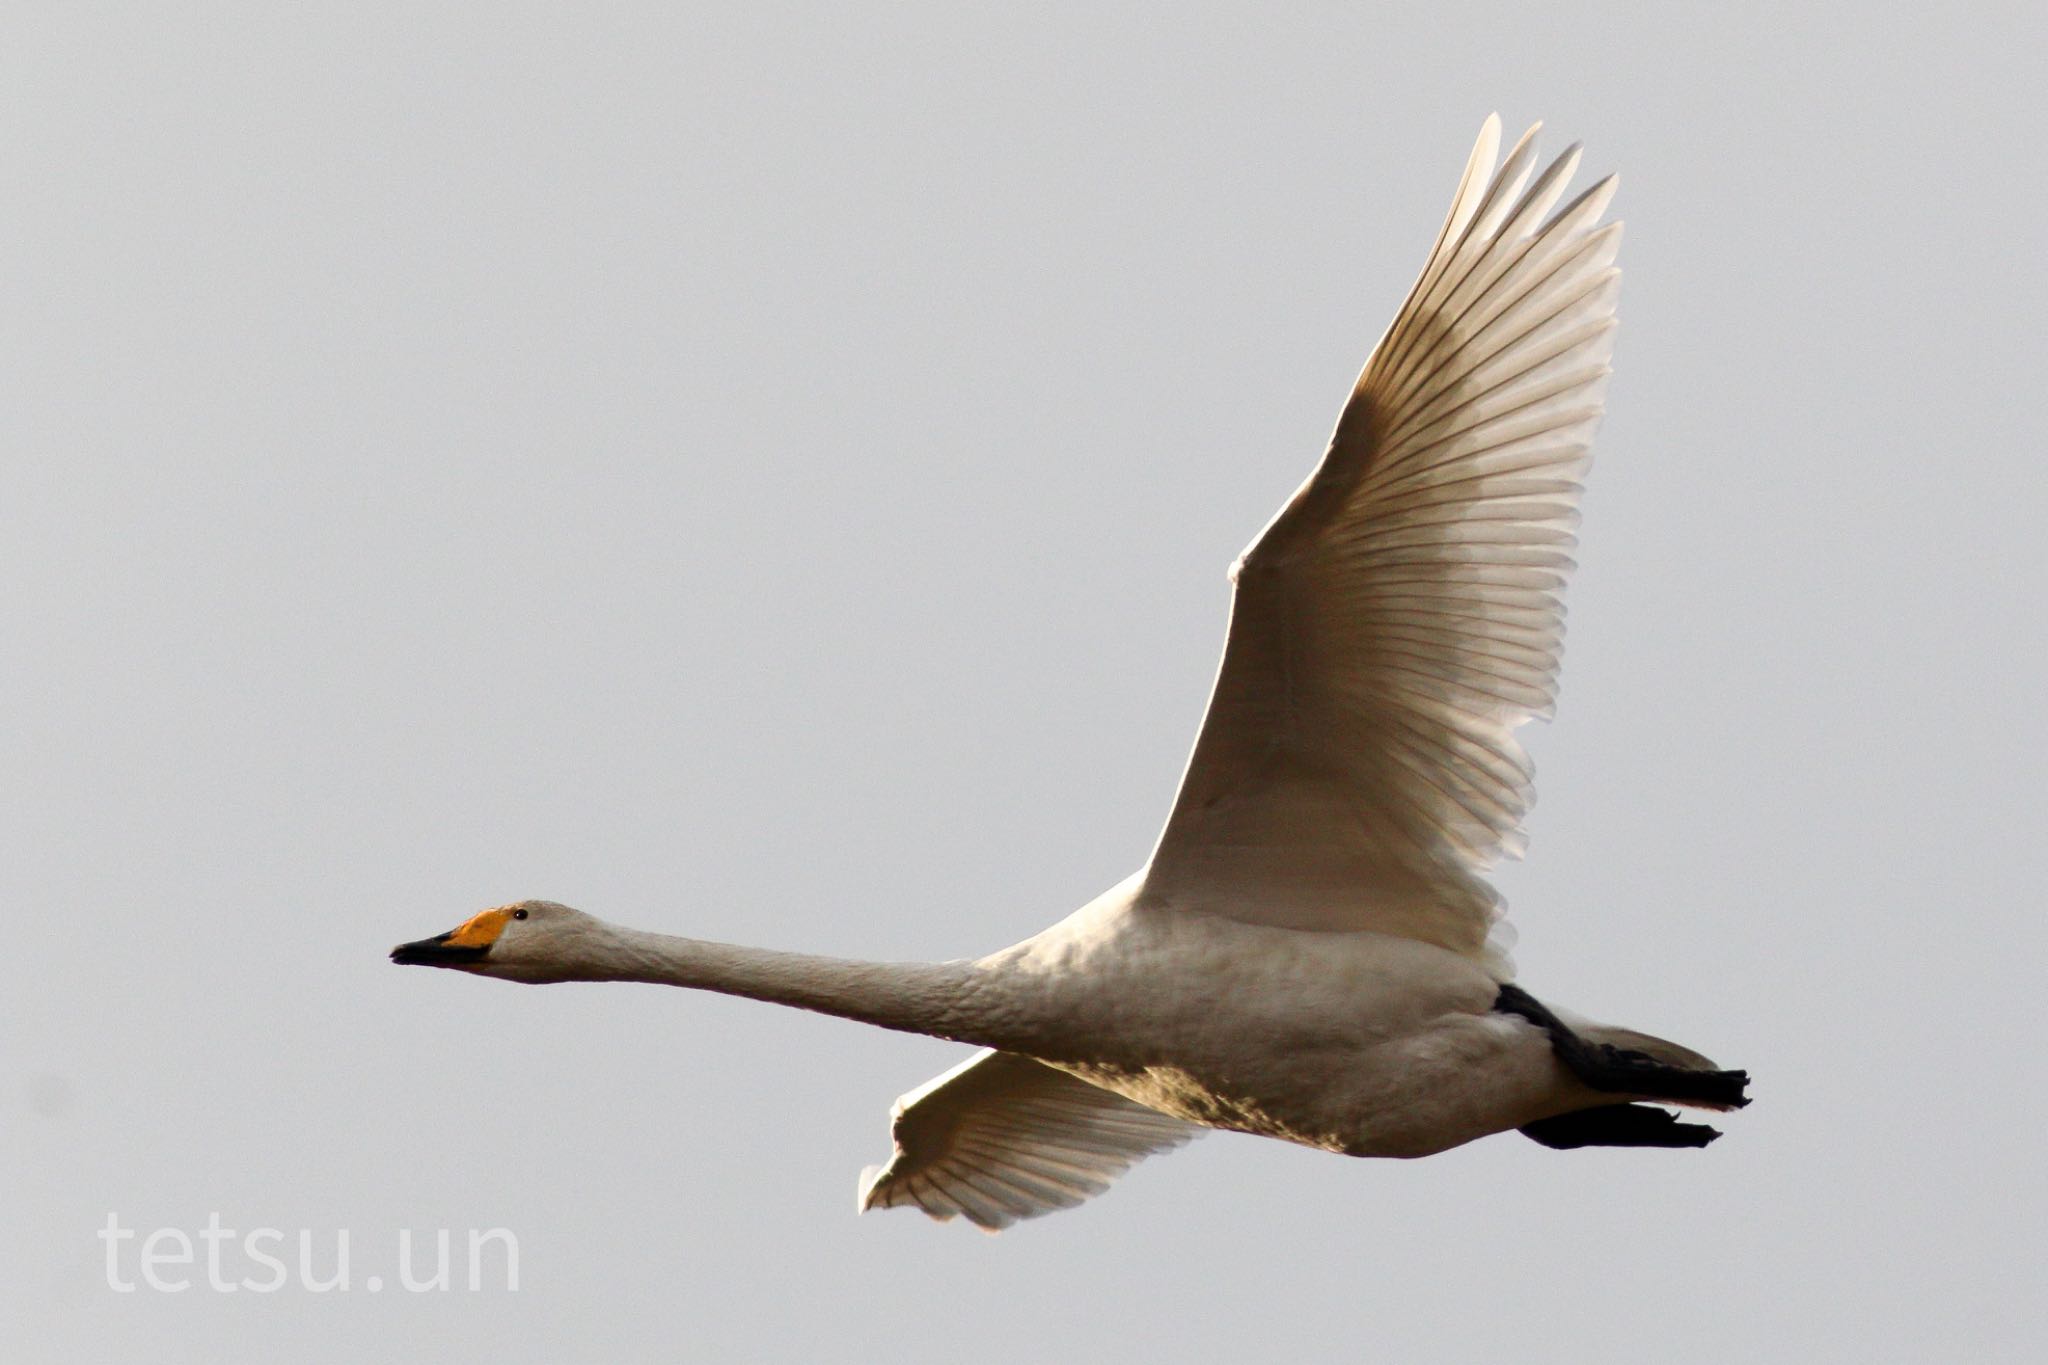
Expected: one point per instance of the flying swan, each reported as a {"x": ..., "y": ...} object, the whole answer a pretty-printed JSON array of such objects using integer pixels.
[{"x": 1311, "y": 952}]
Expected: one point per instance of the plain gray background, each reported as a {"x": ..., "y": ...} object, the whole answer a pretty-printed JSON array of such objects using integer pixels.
[{"x": 769, "y": 473}]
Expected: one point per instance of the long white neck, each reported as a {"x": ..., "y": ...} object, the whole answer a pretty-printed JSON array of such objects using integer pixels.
[{"x": 944, "y": 999}]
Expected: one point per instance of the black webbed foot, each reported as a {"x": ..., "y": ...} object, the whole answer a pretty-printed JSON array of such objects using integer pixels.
[
  {"x": 1618, "y": 1125},
  {"x": 1624, "y": 1071}
]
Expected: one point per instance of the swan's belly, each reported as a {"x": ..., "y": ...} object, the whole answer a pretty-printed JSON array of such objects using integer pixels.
[
  {"x": 1458, "y": 1078},
  {"x": 1356, "y": 1043}
]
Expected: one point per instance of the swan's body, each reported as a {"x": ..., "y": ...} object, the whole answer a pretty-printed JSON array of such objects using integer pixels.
[{"x": 1309, "y": 953}]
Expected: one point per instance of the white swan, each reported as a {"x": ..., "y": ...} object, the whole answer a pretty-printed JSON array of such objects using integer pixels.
[{"x": 1307, "y": 953}]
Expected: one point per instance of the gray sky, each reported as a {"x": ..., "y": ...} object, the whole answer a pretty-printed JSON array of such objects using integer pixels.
[{"x": 769, "y": 474}]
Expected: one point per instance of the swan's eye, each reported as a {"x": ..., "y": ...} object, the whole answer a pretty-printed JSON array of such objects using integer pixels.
[{"x": 518, "y": 914}]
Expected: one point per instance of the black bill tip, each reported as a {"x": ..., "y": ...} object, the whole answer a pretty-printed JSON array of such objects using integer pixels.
[{"x": 437, "y": 952}]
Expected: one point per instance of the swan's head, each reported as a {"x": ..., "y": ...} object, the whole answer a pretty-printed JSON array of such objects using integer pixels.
[{"x": 526, "y": 941}]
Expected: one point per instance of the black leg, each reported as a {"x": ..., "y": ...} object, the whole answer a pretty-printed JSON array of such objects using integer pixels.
[
  {"x": 1619, "y": 1125},
  {"x": 1622, "y": 1071}
]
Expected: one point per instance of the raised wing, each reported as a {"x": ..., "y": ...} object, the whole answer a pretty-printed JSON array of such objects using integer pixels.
[
  {"x": 1002, "y": 1137},
  {"x": 1401, "y": 616}
]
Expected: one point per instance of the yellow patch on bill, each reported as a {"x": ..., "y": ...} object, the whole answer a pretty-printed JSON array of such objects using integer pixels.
[{"x": 480, "y": 931}]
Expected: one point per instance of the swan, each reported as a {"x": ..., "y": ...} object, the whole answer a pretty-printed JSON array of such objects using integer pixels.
[{"x": 1311, "y": 952}]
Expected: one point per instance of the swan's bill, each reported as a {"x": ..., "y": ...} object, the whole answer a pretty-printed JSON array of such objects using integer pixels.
[{"x": 469, "y": 942}]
